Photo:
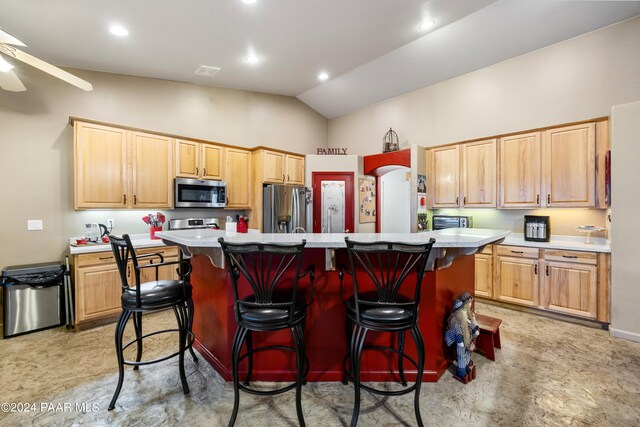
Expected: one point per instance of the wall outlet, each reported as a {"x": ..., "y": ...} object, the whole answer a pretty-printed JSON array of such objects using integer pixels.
[
  {"x": 34, "y": 224},
  {"x": 110, "y": 224}
]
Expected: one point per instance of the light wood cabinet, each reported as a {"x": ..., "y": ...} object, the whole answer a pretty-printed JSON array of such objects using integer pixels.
[
  {"x": 517, "y": 280},
  {"x": 100, "y": 166},
  {"x": 569, "y": 166},
  {"x": 484, "y": 275},
  {"x": 98, "y": 286},
  {"x": 519, "y": 173},
  {"x": 199, "y": 160},
  {"x": 238, "y": 178},
  {"x": 571, "y": 288},
  {"x": 152, "y": 170},
  {"x": 295, "y": 170},
  {"x": 445, "y": 169},
  {"x": 479, "y": 174},
  {"x": 117, "y": 168}
]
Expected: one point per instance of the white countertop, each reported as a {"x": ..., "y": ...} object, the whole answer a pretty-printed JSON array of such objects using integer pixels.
[
  {"x": 450, "y": 238},
  {"x": 571, "y": 243},
  {"x": 138, "y": 241}
]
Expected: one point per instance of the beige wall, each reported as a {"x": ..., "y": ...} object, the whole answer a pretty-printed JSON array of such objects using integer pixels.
[
  {"x": 625, "y": 233},
  {"x": 575, "y": 80},
  {"x": 36, "y": 145}
]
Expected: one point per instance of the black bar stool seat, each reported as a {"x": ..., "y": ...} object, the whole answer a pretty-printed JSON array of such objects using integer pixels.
[
  {"x": 157, "y": 295},
  {"x": 272, "y": 317},
  {"x": 379, "y": 313}
]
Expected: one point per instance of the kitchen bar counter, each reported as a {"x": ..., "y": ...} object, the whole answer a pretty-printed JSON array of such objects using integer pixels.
[{"x": 214, "y": 320}]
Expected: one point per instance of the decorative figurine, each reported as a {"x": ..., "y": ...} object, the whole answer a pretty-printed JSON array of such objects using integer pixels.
[{"x": 462, "y": 330}]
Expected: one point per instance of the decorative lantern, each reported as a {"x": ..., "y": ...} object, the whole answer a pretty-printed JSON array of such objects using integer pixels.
[{"x": 390, "y": 141}]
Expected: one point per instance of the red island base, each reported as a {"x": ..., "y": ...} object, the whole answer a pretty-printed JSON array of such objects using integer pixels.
[{"x": 214, "y": 324}]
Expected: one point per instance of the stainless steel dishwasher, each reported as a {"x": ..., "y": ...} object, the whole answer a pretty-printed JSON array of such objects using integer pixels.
[{"x": 32, "y": 298}]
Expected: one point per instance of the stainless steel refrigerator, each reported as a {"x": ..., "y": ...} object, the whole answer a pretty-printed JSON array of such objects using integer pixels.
[{"x": 286, "y": 209}]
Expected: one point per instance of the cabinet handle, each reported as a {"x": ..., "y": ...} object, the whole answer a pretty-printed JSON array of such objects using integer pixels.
[
  {"x": 464, "y": 200},
  {"x": 125, "y": 199},
  {"x": 569, "y": 256},
  {"x": 517, "y": 252},
  {"x": 196, "y": 170},
  {"x": 535, "y": 269},
  {"x": 537, "y": 199},
  {"x": 135, "y": 199},
  {"x": 106, "y": 257},
  {"x": 282, "y": 177},
  {"x": 547, "y": 270},
  {"x": 548, "y": 198},
  {"x": 457, "y": 198},
  {"x": 288, "y": 178},
  {"x": 204, "y": 171}
]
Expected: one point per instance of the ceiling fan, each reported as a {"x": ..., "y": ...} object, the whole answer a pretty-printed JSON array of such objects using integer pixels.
[{"x": 10, "y": 81}]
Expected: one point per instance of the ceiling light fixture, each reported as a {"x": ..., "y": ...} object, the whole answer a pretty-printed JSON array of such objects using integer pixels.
[
  {"x": 119, "y": 30},
  {"x": 252, "y": 59},
  {"x": 323, "y": 76},
  {"x": 4, "y": 65},
  {"x": 426, "y": 25},
  {"x": 249, "y": 1}
]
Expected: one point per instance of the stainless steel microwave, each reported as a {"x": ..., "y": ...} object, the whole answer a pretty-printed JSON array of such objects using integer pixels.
[
  {"x": 445, "y": 221},
  {"x": 200, "y": 193}
]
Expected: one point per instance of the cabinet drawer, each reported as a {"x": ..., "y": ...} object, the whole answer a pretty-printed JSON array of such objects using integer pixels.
[
  {"x": 571, "y": 256},
  {"x": 488, "y": 250},
  {"x": 518, "y": 251},
  {"x": 97, "y": 258},
  {"x": 166, "y": 252}
]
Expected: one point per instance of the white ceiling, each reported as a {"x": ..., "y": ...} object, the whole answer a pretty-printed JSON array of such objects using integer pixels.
[{"x": 372, "y": 49}]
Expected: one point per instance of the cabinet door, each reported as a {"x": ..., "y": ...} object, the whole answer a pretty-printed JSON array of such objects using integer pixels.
[
  {"x": 152, "y": 170},
  {"x": 479, "y": 174},
  {"x": 446, "y": 167},
  {"x": 98, "y": 291},
  {"x": 570, "y": 172},
  {"x": 273, "y": 167},
  {"x": 517, "y": 280},
  {"x": 571, "y": 288},
  {"x": 187, "y": 159},
  {"x": 100, "y": 166},
  {"x": 484, "y": 275},
  {"x": 166, "y": 272},
  {"x": 211, "y": 161},
  {"x": 295, "y": 170},
  {"x": 520, "y": 171},
  {"x": 238, "y": 177}
]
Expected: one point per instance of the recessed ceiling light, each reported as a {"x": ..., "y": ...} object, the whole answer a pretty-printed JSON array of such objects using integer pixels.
[
  {"x": 252, "y": 59},
  {"x": 4, "y": 65},
  {"x": 249, "y": 1},
  {"x": 119, "y": 30},
  {"x": 323, "y": 76},
  {"x": 426, "y": 25}
]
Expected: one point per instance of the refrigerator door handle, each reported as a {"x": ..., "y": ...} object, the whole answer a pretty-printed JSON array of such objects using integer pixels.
[{"x": 295, "y": 213}]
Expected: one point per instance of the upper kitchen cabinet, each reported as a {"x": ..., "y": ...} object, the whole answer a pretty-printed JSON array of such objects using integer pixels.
[
  {"x": 569, "y": 166},
  {"x": 199, "y": 160},
  {"x": 520, "y": 180},
  {"x": 479, "y": 174},
  {"x": 445, "y": 167},
  {"x": 119, "y": 168},
  {"x": 279, "y": 168},
  {"x": 100, "y": 167},
  {"x": 238, "y": 178},
  {"x": 152, "y": 170}
]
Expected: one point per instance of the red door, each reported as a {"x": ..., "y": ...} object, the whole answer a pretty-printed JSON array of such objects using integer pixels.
[{"x": 317, "y": 178}]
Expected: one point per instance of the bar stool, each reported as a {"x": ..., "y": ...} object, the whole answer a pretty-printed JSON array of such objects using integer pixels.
[
  {"x": 274, "y": 303},
  {"x": 148, "y": 297},
  {"x": 378, "y": 305}
]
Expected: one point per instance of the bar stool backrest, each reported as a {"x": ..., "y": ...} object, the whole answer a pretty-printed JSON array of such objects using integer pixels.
[
  {"x": 123, "y": 251},
  {"x": 387, "y": 265},
  {"x": 263, "y": 267}
]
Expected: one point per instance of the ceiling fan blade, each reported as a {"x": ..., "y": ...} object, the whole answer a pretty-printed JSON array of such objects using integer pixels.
[
  {"x": 9, "y": 81},
  {"x": 46, "y": 67},
  {"x": 9, "y": 39}
]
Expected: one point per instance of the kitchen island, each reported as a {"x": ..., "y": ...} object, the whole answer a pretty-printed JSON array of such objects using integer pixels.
[{"x": 452, "y": 273}]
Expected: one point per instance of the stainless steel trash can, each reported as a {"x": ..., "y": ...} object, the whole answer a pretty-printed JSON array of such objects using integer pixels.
[{"x": 33, "y": 298}]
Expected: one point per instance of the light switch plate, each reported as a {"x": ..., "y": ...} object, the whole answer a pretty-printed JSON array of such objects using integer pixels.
[{"x": 34, "y": 224}]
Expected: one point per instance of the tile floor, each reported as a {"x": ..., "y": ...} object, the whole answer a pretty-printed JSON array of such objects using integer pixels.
[{"x": 548, "y": 373}]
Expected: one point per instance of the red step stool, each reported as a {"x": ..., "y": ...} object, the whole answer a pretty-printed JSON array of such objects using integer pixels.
[{"x": 489, "y": 337}]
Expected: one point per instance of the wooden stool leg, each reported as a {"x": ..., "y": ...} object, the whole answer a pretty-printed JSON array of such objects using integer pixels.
[
  {"x": 489, "y": 352},
  {"x": 496, "y": 339}
]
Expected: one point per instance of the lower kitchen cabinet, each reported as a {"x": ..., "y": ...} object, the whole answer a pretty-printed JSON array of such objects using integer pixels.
[
  {"x": 568, "y": 282},
  {"x": 98, "y": 288}
]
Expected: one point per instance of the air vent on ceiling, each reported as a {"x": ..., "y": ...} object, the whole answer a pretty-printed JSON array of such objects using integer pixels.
[{"x": 205, "y": 70}]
